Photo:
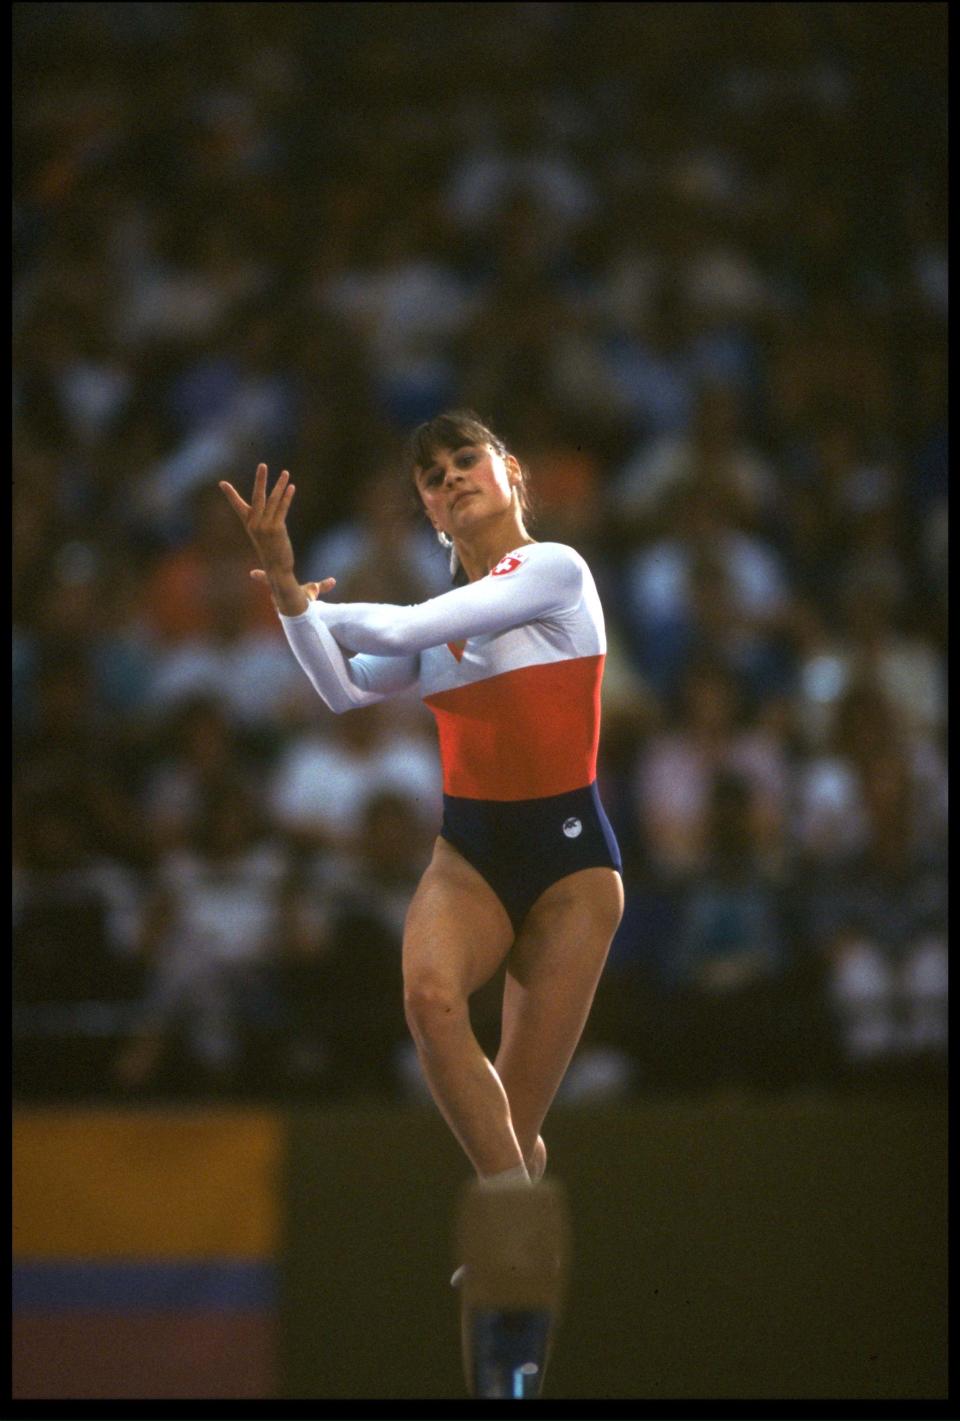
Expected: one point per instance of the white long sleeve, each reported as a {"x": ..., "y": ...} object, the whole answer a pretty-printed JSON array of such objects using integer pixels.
[
  {"x": 536, "y": 581},
  {"x": 340, "y": 683}
]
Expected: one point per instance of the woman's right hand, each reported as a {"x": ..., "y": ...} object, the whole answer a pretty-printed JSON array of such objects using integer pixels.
[{"x": 265, "y": 521}]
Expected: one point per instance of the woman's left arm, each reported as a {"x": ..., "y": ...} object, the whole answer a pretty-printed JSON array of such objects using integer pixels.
[{"x": 538, "y": 580}]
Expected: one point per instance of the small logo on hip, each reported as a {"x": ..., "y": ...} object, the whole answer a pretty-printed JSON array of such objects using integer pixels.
[{"x": 572, "y": 827}]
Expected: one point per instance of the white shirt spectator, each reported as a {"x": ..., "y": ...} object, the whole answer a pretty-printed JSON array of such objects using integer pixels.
[
  {"x": 654, "y": 470},
  {"x": 405, "y": 309},
  {"x": 322, "y": 786},
  {"x": 862, "y": 992},
  {"x": 832, "y": 821},
  {"x": 659, "y": 583},
  {"x": 254, "y": 676},
  {"x": 224, "y": 911},
  {"x": 485, "y": 177},
  {"x": 673, "y": 782},
  {"x": 923, "y": 983},
  {"x": 349, "y": 545}
]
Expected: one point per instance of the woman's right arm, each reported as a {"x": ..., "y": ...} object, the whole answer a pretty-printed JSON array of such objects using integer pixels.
[
  {"x": 343, "y": 683},
  {"x": 340, "y": 683}
]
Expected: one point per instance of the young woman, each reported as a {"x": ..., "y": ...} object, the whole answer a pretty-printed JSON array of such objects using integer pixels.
[{"x": 526, "y": 867}]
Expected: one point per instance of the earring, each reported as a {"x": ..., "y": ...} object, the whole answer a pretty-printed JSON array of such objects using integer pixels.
[{"x": 446, "y": 541}]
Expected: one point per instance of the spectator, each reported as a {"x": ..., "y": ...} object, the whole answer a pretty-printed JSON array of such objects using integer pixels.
[
  {"x": 567, "y": 476},
  {"x": 519, "y": 160},
  {"x": 924, "y": 999},
  {"x": 352, "y": 757},
  {"x": 676, "y": 775},
  {"x": 369, "y": 556},
  {"x": 408, "y": 306},
  {"x": 75, "y": 912},
  {"x": 713, "y": 450},
  {"x": 881, "y": 645},
  {"x": 249, "y": 669},
  {"x": 177, "y": 598},
  {"x": 340, "y": 972},
  {"x": 879, "y": 916},
  {"x": 833, "y": 820},
  {"x": 62, "y": 750},
  {"x": 730, "y": 950},
  {"x": 652, "y": 367},
  {"x": 700, "y": 539},
  {"x": 210, "y": 945},
  {"x": 198, "y": 749}
]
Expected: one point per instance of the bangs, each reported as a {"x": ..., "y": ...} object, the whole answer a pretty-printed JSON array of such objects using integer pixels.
[{"x": 447, "y": 432}]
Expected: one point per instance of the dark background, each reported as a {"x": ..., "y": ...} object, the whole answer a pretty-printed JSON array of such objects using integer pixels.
[
  {"x": 690, "y": 262},
  {"x": 774, "y": 1251}
]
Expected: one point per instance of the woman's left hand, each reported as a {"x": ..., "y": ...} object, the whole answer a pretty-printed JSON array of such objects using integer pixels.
[{"x": 311, "y": 590}]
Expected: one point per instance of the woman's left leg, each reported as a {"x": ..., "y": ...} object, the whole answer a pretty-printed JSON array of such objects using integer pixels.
[{"x": 552, "y": 974}]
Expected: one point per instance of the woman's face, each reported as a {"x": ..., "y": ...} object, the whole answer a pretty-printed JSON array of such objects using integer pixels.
[{"x": 463, "y": 487}]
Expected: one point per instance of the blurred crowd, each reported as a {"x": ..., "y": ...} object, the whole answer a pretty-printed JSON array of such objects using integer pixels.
[{"x": 689, "y": 261}]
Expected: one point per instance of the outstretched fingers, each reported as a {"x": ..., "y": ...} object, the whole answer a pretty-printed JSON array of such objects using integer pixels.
[
  {"x": 313, "y": 590},
  {"x": 272, "y": 512},
  {"x": 285, "y": 500},
  {"x": 262, "y": 507},
  {"x": 318, "y": 589},
  {"x": 276, "y": 493},
  {"x": 259, "y": 488},
  {"x": 239, "y": 505}
]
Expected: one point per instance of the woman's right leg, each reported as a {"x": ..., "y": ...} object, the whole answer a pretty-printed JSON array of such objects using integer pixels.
[{"x": 457, "y": 934}]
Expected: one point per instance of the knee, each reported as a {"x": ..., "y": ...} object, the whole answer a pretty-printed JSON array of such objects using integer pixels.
[{"x": 432, "y": 1004}]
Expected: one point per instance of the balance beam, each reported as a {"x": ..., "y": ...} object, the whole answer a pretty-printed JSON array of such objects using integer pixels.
[{"x": 514, "y": 1243}]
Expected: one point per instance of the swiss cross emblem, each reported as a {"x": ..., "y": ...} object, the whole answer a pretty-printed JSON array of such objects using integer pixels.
[{"x": 508, "y": 564}]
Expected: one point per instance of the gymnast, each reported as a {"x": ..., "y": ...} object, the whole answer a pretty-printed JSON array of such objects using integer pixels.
[{"x": 526, "y": 868}]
